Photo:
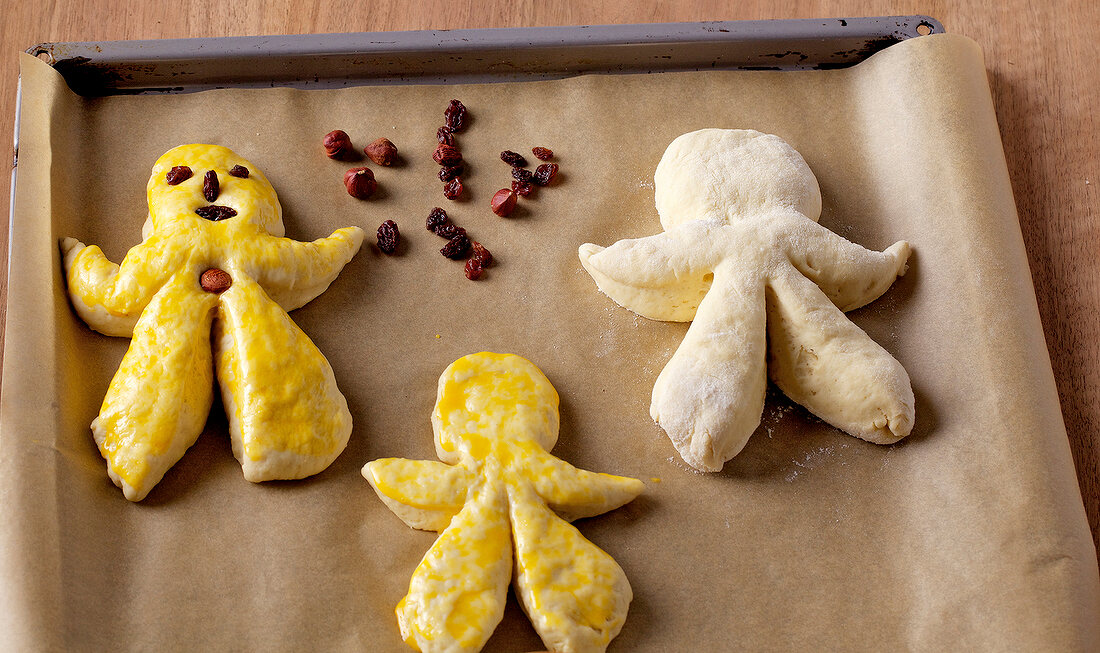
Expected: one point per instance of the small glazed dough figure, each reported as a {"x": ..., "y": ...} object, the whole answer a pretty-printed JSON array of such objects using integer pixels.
[
  {"x": 743, "y": 258},
  {"x": 213, "y": 259},
  {"x": 494, "y": 497}
]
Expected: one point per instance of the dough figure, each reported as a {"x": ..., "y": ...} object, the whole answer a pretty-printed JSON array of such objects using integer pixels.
[
  {"x": 494, "y": 497},
  {"x": 213, "y": 258},
  {"x": 743, "y": 259}
]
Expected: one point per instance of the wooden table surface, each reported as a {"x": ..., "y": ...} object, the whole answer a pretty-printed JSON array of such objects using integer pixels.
[{"x": 1042, "y": 58}]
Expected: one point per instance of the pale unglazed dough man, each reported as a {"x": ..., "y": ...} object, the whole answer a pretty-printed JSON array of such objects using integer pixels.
[{"x": 743, "y": 258}]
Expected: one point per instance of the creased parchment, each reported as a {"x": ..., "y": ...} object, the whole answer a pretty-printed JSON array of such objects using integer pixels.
[{"x": 968, "y": 535}]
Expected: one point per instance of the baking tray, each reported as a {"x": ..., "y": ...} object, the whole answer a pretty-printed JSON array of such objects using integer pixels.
[{"x": 563, "y": 52}]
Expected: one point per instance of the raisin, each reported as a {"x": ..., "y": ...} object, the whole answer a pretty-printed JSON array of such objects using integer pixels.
[
  {"x": 450, "y": 230},
  {"x": 441, "y": 225},
  {"x": 522, "y": 174},
  {"x": 177, "y": 175},
  {"x": 447, "y": 155},
  {"x": 447, "y": 174},
  {"x": 239, "y": 171},
  {"x": 210, "y": 186},
  {"x": 388, "y": 237},
  {"x": 513, "y": 158},
  {"x": 545, "y": 173},
  {"x": 480, "y": 259},
  {"x": 436, "y": 219},
  {"x": 542, "y": 153},
  {"x": 456, "y": 247},
  {"x": 215, "y": 213},
  {"x": 453, "y": 188},
  {"x": 456, "y": 116},
  {"x": 445, "y": 136},
  {"x": 523, "y": 188}
]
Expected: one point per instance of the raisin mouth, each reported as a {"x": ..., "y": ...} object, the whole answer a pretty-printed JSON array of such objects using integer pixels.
[{"x": 215, "y": 212}]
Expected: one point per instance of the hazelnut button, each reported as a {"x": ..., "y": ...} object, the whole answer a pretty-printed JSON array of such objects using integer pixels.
[{"x": 215, "y": 281}]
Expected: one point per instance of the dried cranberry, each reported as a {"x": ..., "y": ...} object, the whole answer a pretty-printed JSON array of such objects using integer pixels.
[
  {"x": 447, "y": 155},
  {"x": 177, "y": 175},
  {"x": 522, "y": 174},
  {"x": 445, "y": 136},
  {"x": 453, "y": 188},
  {"x": 480, "y": 259},
  {"x": 239, "y": 171},
  {"x": 545, "y": 173},
  {"x": 456, "y": 247},
  {"x": 513, "y": 158},
  {"x": 388, "y": 237},
  {"x": 456, "y": 116},
  {"x": 215, "y": 213},
  {"x": 481, "y": 254},
  {"x": 210, "y": 186},
  {"x": 542, "y": 153},
  {"x": 523, "y": 188},
  {"x": 447, "y": 174}
]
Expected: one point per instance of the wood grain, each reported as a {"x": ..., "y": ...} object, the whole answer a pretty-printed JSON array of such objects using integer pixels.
[{"x": 1041, "y": 57}]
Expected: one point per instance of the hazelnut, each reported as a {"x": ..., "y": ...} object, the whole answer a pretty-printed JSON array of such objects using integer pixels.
[
  {"x": 447, "y": 156},
  {"x": 381, "y": 151},
  {"x": 215, "y": 281},
  {"x": 504, "y": 202},
  {"x": 360, "y": 183},
  {"x": 337, "y": 144}
]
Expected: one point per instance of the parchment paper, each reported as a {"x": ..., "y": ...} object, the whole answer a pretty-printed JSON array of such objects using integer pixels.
[{"x": 969, "y": 535}]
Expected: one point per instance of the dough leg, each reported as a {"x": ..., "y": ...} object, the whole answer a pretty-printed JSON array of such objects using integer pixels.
[
  {"x": 823, "y": 361},
  {"x": 710, "y": 395},
  {"x": 286, "y": 416},
  {"x": 457, "y": 593},
  {"x": 159, "y": 399},
  {"x": 574, "y": 593}
]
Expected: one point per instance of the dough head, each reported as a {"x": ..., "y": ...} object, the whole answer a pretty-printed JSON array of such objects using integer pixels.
[
  {"x": 725, "y": 174},
  {"x": 253, "y": 197},
  {"x": 503, "y": 395}
]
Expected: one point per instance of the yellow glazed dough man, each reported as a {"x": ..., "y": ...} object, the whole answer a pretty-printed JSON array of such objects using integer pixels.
[
  {"x": 742, "y": 256},
  {"x": 218, "y": 216},
  {"x": 494, "y": 497}
]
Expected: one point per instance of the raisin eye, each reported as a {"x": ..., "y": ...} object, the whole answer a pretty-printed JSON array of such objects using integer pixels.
[
  {"x": 239, "y": 171},
  {"x": 177, "y": 175}
]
